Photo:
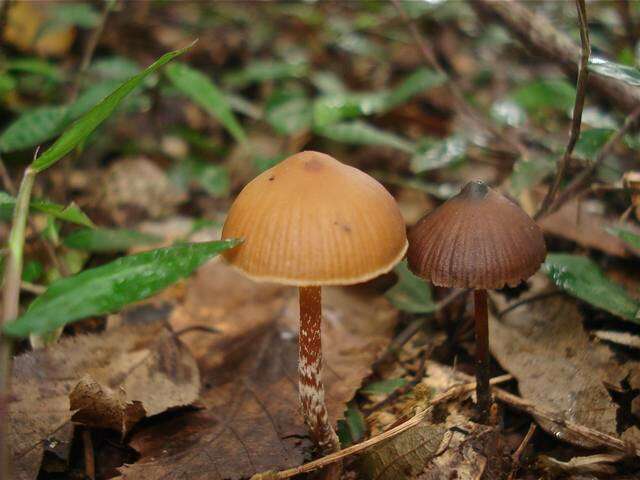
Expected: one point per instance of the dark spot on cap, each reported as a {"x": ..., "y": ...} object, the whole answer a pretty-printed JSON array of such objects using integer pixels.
[
  {"x": 346, "y": 228},
  {"x": 475, "y": 190},
  {"x": 313, "y": 165},
  {"x": 272, "y": 178}
]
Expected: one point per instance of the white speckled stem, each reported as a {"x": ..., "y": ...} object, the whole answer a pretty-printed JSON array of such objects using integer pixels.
[{"x": 314, "y": 409}]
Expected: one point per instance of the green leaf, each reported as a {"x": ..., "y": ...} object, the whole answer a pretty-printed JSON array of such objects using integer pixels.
[
  {"x": 334, "y": 107},
  {"x": 630, "y": 238},
  {"x": 384, "y": 386},
  {"x": 528, "y": 173},
  {"x": 108, "y": 240},
  {"x": 607, "y": 68},
  {"x": 114, "y": 68},
  {"x": 91, "y": 96},
  {"x": 70, "y": 213},
  {"x": 32, "y": 271},
  {"x": 110, "y": 287},
  {"x": 361, "y": 133},
  {"x": 214, "y": 179},
  {"x": 411, "y": 294},
  {"x": 353, "y": 427},
  {"x": 35, "y": 66},
  {"x": 288, "y": 112},
  {"x": 442, "y": 153},
  {"x": 591, "y": 142},
  {"x": 33, "y": 127},
  {"x": 7, "y": 83},
  {"x": 582, "y": 278},
  {"x": 201, "y": 90},
  {"x": 552, "y": 94},
  {"x": 75, "y": 14},
  {"x": 82, "y": 128},
  {"x": 261, "y": 71}
]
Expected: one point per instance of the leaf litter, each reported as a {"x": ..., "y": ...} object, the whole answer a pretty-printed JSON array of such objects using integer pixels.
[
  {"x": 559, "y": 368},
  {"x": 250, "y": 421},
  {"x": 132, "y": 371}
]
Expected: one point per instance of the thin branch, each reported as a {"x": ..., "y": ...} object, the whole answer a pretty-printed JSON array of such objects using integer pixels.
[
  {"x": 517, "y": 455},
  {"x": 581, "y": 90},
  {"x": 90, "y": 48},
  {"x": 581, "y": 181},
  {"x": 452, "y": 393}
]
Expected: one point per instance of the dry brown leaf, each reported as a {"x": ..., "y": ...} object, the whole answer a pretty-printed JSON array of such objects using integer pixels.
[
  {"x": 594, "y": 464},
  {"x": 583, "y": 223},
  {"x": 145, "y": 360},
  {"x": 544, "y": 345},
  {"x": 251, "y": 422}
]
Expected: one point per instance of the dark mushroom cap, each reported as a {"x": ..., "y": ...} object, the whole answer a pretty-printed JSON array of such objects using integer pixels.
[{"x": 477, "y": 239}]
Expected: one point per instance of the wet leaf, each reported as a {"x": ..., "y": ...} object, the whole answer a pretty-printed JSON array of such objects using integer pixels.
[
  {"x": 438, "y": 154},
  {"x": 591, "y": 142},
  {"x": 262, "y": 71},
  {"x": 201, "y": 89},
  {"x": 335, "y": 107},
  {"x": 630, "y": 238},
  {"x": 411, "y": 294},
  {"x": 361, "y": 133},
  {"x": 108, "y": 240},
  {"x": 165, "y": 376},
  {"x": 556, "y": 94},
  {"x": 70, "y": 213},
  {"x": 33, "y": 127},
  {"x": 615, "y": 70},
  {"x": 288, "y": 112},
  {"x": 581, "y": 277},
  {"x": 252, "y": 419},
  {"x": 82, "y": 128},
  {"x": 110, "y": 287}
]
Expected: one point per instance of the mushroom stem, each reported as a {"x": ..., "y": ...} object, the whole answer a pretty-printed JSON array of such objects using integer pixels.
[
  {"x": 314, "y": 409},
  {"x": 483, "y": 391}
]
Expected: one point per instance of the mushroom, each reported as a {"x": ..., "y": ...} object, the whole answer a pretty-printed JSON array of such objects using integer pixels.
[
  {"x": 481, "y": 240},
  {"x": 307, "y": 222}
]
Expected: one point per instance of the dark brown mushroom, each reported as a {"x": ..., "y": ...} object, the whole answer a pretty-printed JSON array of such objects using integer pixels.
[{"x": 481, "y": 240}]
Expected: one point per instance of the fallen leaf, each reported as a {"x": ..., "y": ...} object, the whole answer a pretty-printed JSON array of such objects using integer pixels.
[
  {"x": 544, "y": 345},
  {"x": 144, "y": 359},
  {"x": 251, "y": 422},
  {"x": 585, "y": 224}
]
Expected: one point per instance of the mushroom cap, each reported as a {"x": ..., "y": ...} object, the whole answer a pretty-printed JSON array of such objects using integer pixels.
[
  {"x": 477, "y": 239},
  {"x": 311, "y": 220}
]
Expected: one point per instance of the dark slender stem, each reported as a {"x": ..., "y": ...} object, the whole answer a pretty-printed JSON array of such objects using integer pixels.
[
  {"x": 314, "y": 409},
  {"x": 581, "y": 92},
  {"x": 483, "y": 391}
]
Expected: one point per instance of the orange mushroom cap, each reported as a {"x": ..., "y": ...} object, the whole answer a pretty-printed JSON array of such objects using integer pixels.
[
  {"x": 477, "y": 239},
  {"x": 312, "y": 220}
]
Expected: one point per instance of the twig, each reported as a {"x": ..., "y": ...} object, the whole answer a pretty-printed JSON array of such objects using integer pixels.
[
  {"x": 517, "y": 455},
  {"x": 480, "y": 120},
  {"x": 452, "y": 393},
  {"x": 539, "y": 34},
  {"x": 590, "y": 435},
  {"x": 32, "y": 288},
  {"x": 10, "y": 304},
  {"x": 581, "y": 181},
  {"x": 90, "y": 49},
  {"x": 578, "y": 106}
]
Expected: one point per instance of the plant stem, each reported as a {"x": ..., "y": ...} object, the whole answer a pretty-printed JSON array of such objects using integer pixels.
[
  {"x": 314, "y": 409},
  {"x": 483, "y": 391},
  {"x": 11, "y": 301}
]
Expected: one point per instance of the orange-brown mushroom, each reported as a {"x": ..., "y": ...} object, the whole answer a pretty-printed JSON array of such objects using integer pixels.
[
  {"x": 307, "y": 222},
  {"x": 481, "y": 240}
]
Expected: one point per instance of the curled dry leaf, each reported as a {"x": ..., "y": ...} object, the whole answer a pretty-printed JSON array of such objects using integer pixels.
[
  {"x": 544, "y": 345},
  {"x": 145, "y": 360},
  {"x": 251, "y": 421},
  {"x": 102, "y": 407},
  {"x": 591, "y": 465}
]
